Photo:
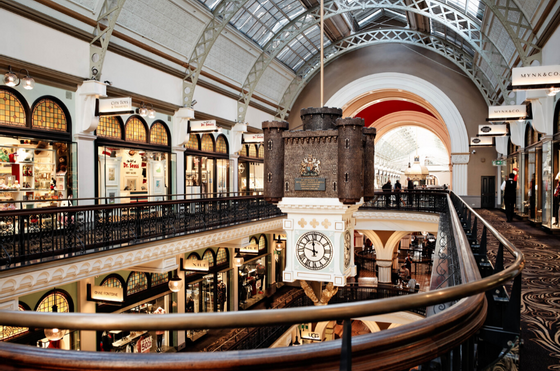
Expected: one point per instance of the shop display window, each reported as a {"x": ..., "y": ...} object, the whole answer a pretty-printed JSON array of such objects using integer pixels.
[
  {"x": 251, "y": 169},
  {"x": 8, "y": 332},
  {"x": 252, "y": 282},
  {"x": 207, "y": 169},
  {"x": 137, "y": 281}
]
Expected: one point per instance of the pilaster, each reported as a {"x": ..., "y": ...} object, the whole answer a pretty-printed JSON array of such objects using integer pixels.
[
  {"x": 384, "y": 270},
  {"x": 88, "y": 339},
  {"x": 460, "y": 173}
]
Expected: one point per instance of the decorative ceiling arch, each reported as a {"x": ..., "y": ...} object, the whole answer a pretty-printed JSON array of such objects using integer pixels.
[
  {"x": 447, "y": 50},
  {"x": 442, "y": 13},
  {"x": 433, "y": 95}
]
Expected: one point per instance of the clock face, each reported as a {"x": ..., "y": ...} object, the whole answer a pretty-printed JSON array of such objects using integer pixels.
[
  {"x": 314, "y": 250},
  {"x": 347, "y": 248}
]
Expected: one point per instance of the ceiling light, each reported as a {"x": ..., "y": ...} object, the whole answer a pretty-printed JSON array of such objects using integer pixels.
[
  {"x": 175, "y": 284},
  {"x": 552, "y": 91},
  {"x": 11, "y": 79}
]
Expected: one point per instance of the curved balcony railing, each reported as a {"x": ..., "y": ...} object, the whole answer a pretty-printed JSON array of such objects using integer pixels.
[{"x": 449, "y": 334}]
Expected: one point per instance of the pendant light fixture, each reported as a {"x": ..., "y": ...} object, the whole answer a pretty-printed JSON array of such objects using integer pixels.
[
  {"x": 279, "y": 245},
  {"x": 175, "y": 284},
  {"x": 12, "y": 79}
]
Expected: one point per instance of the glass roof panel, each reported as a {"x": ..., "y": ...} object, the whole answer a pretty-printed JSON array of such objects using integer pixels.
[
  {"x": 301, "y": 48},
  {"x": 472, "y": 8},
  {"x": 451, "y": 36},
  {"x": 211, "y": 4}
]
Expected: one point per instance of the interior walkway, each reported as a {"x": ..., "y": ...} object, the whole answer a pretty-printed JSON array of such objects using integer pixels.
[{"x": 540, "y": 308}]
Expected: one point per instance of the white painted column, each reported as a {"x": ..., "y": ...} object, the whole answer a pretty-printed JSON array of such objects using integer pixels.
[
  {"x": 233, "y": 163},
  {"x": 180, "y": 171},
  {"x": 181, "y": 299},
  {"x": 180, "y": 136},
  {"x": 460, "y": 173},
  {"x": 88, "y": 339},
  {"x": 235, "y": 280},
  {"x": 384, "y": 271}
]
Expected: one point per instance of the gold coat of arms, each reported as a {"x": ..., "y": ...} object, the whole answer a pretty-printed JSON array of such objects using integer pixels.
[{"x": 310, "y": 166}]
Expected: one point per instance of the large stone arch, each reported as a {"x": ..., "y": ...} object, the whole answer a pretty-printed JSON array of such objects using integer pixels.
[{"x": 434, "y": 96}]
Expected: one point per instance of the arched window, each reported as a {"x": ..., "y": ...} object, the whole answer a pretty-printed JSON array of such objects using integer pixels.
[
  {"x": 135, "y": 130},
  {"x": 54, "y": 297},
  {"x": 254, "y": 240},
  {"x": 221, "y": 145},
  {"x": 209, "y": 257},
  {"x": 158, "y": 134},
  {"x": 193, "y": 142},
  {"x": 7, "y": 332},
  {"x": 11, "y": 110},
  {"x": 112, "y": 281},
  {"x": 221, "y": 256},
  {"x": 49, "y": 116},
  {"x": 261, "y": 151},
  {"x": 137, "y": 281},
  {"x": 252, "y": 150},
  {"x": 243, "y": 151},
  {"x": 207, "y": 144},
  {"x": 109, "y": 127},
  {"x": 159, "y": 279},
  {"x": 262, "y": 242}
]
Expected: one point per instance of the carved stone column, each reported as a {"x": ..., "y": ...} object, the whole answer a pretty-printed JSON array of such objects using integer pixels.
[
  {"x": 88, "y": 339},
  {"x": 384, "y": 270},
  {"x": 460, "y": 173}
]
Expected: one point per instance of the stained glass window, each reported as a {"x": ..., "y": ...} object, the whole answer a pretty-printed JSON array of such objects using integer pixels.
[
  {"x": 221, "y": 145},
  {"x": 221, "y": 256},
  {"x": 135, "y": 131},
  {"x": 112, "y": 282},
  {"x": 109, "y": 127},
  {"x": 193, "y": 142},
  {"x": 252, "y": 150},
  {"x": 7, "y": 332},
  {"x": 137, "y": 282},
  {"x": 158, "y": 134},
  {"x": 48, "y": 115},
  {"x": 11, "y": 110},
  {"x": 262, "y": 242},
  {"x": 159, "y": 279},
  {"x": 207, "y": 143},
  {"x": 209, "y": 257},
  {"x": 261, "y": 151},
  {"x": 59, "y": 299},
  {"x": 243, "y": 151}
]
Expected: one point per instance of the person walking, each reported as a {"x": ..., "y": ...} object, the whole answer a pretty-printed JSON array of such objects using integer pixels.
[
  {"x": 410, "y": 188},
  {"x": 397, "y": 189},
  {"x": 509, "y": 187},
  {"x": 387, "y": 188}
]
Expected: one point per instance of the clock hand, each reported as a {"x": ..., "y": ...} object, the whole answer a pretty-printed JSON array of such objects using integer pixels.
[{"x": 312, "y": 250}]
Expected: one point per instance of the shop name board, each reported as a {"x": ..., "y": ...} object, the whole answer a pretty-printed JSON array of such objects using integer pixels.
[
  {"x": 203, "y": 125},
  {"x": 535, "y": 75},
  {"x": 502, "y": 112},
  {"x": 145, "y": 345},
  {"x": 114, "y": 106},
  {"x": 494, "y": 130},
  {"x": 253, "y": 138},
  {"x": 107, "y": 293},
  {"x": 310, "y": 184},
  {"x": 310, "y": 336},
  {"x": 250, "y": 249},
  {"x": 195, "y": 265},
  {"x": 499, "y": 163},
  {"x": 482, "y": 141}
]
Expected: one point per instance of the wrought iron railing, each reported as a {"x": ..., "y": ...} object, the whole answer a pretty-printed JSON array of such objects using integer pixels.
[{"x": 417, "y": 200}]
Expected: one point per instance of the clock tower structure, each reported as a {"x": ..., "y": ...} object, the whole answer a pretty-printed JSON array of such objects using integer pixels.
[{"x": 319, "y": 176}]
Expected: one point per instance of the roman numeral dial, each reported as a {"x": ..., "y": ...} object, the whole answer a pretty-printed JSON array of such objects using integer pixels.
[{"x": 314, "y": 250}]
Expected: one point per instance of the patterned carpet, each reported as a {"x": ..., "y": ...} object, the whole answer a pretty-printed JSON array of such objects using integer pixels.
[{"x": 540, "y": 307}]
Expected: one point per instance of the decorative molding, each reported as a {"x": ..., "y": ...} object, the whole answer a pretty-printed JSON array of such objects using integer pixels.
[
  {"x": 460, "y": 159},
  {"x": 404, "y": 216},
  {"x": 44, "y": 276}
]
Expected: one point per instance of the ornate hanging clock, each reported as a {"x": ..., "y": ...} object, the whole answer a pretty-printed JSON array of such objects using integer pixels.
[{"x": 314, "y": 250}]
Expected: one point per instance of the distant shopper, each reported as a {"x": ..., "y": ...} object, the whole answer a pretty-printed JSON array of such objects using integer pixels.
[
  {"x": 409, "y": 188},
  {"x": 387, "y": 188},
  {"x": 509, "y": 187}
]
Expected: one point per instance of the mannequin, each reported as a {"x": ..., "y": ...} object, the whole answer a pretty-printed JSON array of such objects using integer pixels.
[{"x": 159, "y": 334}]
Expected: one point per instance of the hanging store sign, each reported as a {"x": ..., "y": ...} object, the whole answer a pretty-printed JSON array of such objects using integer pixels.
[
  {"x": 113, "y": 107},
  {"x": 482, "y": 141},
  {"x": 539, "y": 77},
  {"x": 253, "y": 138},
  {"x": 104, "y": 294},
  {"x": 203, "y": 125},
  {"x": 505, "y": 113},
  {"x": 195, "y": 265},
  {"x": 492, "y": 130},
  {"x": 250, "y": 249}
]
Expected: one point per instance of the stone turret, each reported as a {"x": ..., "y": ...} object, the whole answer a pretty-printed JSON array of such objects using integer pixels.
[
  {"x": 274, "y": 159},
  {"x": 323, "y": 118},
  {"x": 350, "y": 159},
  {"x": 369, "y": 168}
]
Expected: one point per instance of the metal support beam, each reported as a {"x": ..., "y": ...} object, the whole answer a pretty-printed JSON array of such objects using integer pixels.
[{"x": 346, "y": 351}]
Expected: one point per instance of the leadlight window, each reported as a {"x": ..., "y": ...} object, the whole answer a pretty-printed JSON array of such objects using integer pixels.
[
  {"x": 221, "y": 145},
  {"x": 209, "y": 257},
  {"x": 221, "y": 256},
  {"x": 193, "y": 142},
  {"x": 252, "y": 150},
  {"x": 135, "y": 131},
  {"x": 7, "y": 332},
  {"x": 54, "y": 298},
  {"x": 109, "y": 127},
  {"x": 207, "y": 143},
  {"x": 261, "y": 151},
  {"x": 158, "y": 134},
  {"x": 243, "y": 151},
  {"x": 11, "y": 110},
  {"x": 159, "y": 279},
  {"x": 137, "y": 282},
  {"x": 262, "y": 243},
  {"x": 112, "y": 282},
  {"x": 49, "y": 116}
]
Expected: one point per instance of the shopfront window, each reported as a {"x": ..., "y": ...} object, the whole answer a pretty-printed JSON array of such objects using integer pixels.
[
  {"x": 207, "y": 169},
  {"x": 109, "y": 127},
  {"x": 158, "y": 134},
  {"x": 11, "y": 110},
  {"x": 8, "y": 332},
  {"x": 135, "y": 130},
  {"x": 112, "y": 281},
  {"x": 137, "y": 281},
  {"x": 48, "y": 115},
  {"x": 250, "y": 169},
  {"x": 159, "y": 279},
  {"x": 252, "y": 282}
]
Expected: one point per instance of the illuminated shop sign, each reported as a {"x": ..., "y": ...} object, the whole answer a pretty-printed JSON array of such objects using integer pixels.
[
  {"x": 253, "y": 138},
  {"x": 250, "y": 249},
  {"x": 203, "y": 125},
  {"x": 539, "y": 75},
  {"x": 507, "y": 112},
  {"x": 195, "y": 265},
  {"x": 102, "y": 293},
  {"x": 114, "y": 107},
  {"x": 482, "y": 141},
  {"x": 492, "y": 130}
]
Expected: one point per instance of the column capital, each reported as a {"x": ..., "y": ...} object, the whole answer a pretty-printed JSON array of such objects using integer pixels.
[
  {"x": 85, "y": 136},
  {"x": 460, "y": 158}
]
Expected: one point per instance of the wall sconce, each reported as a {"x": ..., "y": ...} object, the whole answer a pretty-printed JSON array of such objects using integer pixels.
[
  {"x": 152, "y": 112},
  {"x": 238, "y": 260},
  {"x": 144, "y": 111},
  {"x": 11, "y": 79},
  {"x": 175, "y": 284},
  {"x": 279, "y": 245}
]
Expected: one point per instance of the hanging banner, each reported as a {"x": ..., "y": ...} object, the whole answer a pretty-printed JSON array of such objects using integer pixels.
[
  {"x": 535, "y": 76},
  {"x": 503, "y": 113},
  {"x": 492, "y": 130},
  {"x": 102, "y": 293},
  {"x": 253, "y": 138},
  {"x": 113, "y": 106},
  {"x": 195, "y": 265},
  {"x": 482, "y": 141},
  {"x": 203, "y": 125}
]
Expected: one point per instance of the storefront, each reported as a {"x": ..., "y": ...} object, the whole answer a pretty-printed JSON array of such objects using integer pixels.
[
  {"x": 253, "y": 274},
  {"x": 141, "y": 292},
  {"x": 207, "y": 169},
  {"x": 551, "y": 192},
  {"x": 134, "y": 161},
  {"x": 37, "y": 157},
  {"x": 512, "y": 167},
  {"x": 250, "y": 168},
  {"x": 533, "y": 174},
  {"x": 207, "y": 284}
]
